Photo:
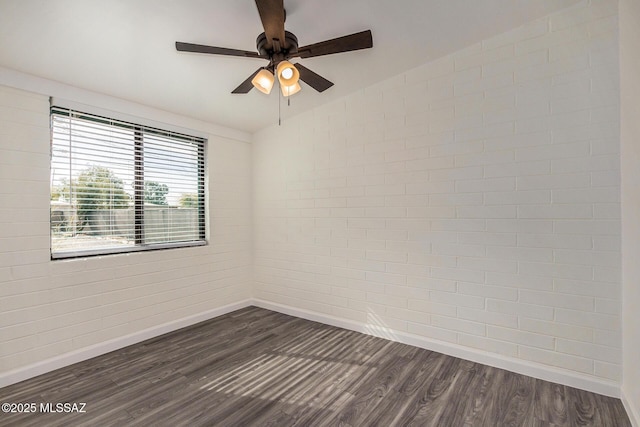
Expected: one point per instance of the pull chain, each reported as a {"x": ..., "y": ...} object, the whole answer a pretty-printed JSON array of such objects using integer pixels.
[{"x": 280, "y": 96}]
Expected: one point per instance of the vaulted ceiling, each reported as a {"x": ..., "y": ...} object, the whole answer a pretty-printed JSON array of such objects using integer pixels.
[{"x": 125, "y": 48}]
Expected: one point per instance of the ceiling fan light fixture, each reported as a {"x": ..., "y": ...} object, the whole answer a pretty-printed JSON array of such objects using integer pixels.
[
  {"x": 278, "y": 46},
  {"x": 291, "y": 89},
  {"x": 263, "y": 81},
  {"x": 288, "y": 75}
]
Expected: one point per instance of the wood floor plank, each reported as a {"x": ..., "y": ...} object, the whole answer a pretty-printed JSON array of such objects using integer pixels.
[
  {"x": 550, "y": 403},
  {"x": 427, "y": 403},
  {"x": 478, "y": 395},
  {"x": 374, "y": 392},
  {"x": 486, "y": 408},
  {"x": 458, "y": 405},
  {"x": 516, "y": 402},
  {"x": 584, "y": 408},
  {"x": 256, "y": 367}
]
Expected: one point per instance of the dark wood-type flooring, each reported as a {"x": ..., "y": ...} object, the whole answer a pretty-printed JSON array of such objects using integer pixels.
[{"x": 256, "y": 367}]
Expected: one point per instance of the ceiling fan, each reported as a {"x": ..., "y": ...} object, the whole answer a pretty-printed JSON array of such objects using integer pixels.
[{"x": 278, "y": 46}]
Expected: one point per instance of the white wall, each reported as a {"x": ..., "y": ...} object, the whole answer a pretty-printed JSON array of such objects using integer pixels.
[
  {"x": 54, "y": 308},
  {"x": 630, "y": 138},
  {"x": 474, "y": 201}
]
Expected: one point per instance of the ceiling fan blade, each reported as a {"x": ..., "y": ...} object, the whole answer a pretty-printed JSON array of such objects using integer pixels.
[
  {"x": 272, "y": 15},
  {"x": 314, "y": 80},
  {"x": 199, "y": 48},
  {"x": 357, "y": 41}
]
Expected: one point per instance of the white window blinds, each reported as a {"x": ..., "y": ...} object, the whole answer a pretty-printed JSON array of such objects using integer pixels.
[{"x": 118, "y": 187}]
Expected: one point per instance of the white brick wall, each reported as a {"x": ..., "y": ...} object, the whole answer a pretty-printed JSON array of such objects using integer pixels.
[
  {"x": 49, "y": 308},
  {"x": 473, "y": 200}
]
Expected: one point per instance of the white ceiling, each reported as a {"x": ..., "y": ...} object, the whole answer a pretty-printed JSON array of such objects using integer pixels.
[{"x": 125, "y": 48}]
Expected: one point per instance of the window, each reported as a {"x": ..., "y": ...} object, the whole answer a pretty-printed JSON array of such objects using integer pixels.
[{"x": 122, "y": 187}]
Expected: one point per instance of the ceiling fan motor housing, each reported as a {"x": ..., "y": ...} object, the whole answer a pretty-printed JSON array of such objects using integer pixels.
[{"x": 278, "y": 52}]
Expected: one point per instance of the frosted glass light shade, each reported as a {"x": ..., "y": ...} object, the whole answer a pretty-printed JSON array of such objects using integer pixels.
[
  {"x": 291, "y": 89},
  {"x": 263, "y": 81},
  {"x": 288, "y": 75}
]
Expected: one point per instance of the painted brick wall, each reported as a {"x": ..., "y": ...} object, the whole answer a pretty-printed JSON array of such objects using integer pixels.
[
  {"x": 52, "y": 308},
  {"x": 474, "y": 200}
]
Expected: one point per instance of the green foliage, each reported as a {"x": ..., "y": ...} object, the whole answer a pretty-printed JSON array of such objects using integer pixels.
[
  {"x": 155, "y": 193},
  {"x": 188, "y": 201},
  {"x": 98, "y": 188}
]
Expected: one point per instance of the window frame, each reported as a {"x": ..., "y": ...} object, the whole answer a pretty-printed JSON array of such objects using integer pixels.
[{"x": 138, "y": 204}]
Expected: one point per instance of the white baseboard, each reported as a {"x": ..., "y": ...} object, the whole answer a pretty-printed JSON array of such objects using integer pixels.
[
  {"x": 633, "y": 410},
  {"x": 536, "y": 370},
  {"x": 30, "y": 371}
]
